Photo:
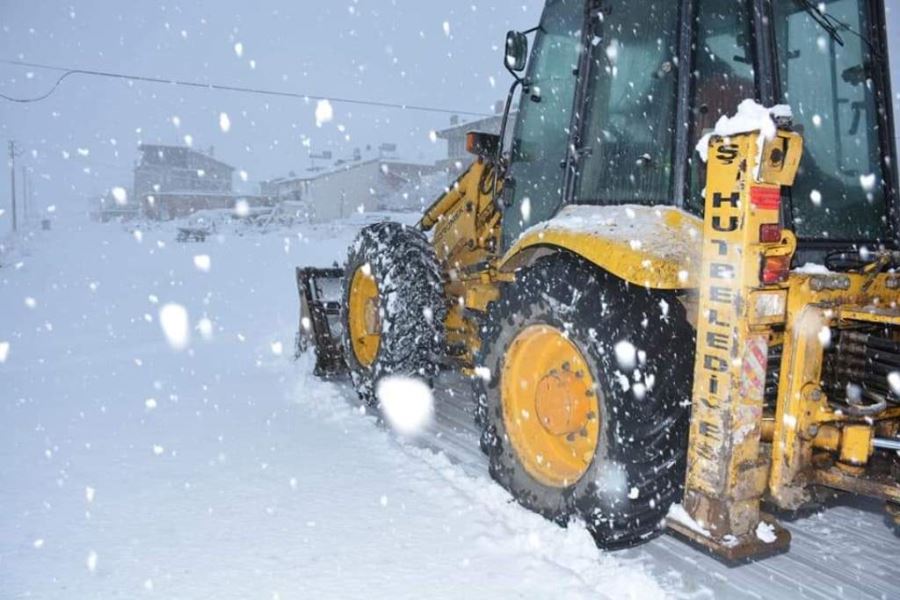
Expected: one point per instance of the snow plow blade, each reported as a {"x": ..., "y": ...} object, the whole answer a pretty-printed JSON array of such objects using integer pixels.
[{"x": 320, "y": 319}]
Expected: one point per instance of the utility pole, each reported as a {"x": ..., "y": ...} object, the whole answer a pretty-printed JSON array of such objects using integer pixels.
[
  {"x": 12, "y": 181},
  {"x": 26, "y": 190}
]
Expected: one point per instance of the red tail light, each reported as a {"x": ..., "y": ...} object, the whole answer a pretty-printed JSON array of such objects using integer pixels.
[
  {"x": 775, "y": 269},
  {"x": 770, "y": 233}
]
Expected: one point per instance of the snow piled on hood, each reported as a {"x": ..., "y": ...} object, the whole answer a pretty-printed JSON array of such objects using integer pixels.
[{"x": 632, "y": 226}]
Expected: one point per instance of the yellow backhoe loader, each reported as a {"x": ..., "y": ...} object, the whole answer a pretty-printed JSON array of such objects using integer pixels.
[{"x": 669, "y": 317}]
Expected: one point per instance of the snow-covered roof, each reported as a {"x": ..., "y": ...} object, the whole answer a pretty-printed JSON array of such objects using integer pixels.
[
  {"x": 488, "y": 125},
  {"x": 206, "y": 158}
]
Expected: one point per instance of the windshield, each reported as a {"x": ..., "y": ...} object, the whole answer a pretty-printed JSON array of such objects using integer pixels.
[{"x": 828, "y": 81}]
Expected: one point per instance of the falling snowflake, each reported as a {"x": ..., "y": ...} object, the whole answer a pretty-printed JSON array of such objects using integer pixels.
[
  {"x": 626, "y": 355},
  {"x": 91, "y": 561},
  {"x": 120, "y": 195},
  {"x": 174, "y": 321},
  {"x": 224, "y": 122},
  {"x": 526, "y": 210},
  {"x": 203, "y": 262},
  {"x": 894, "y": 382},
  {"x": 324, "y": 112},
  {"x": 868, "y": 182},
  {"x": 205, "y": 327},
  {"x": 408, "y": 404}
]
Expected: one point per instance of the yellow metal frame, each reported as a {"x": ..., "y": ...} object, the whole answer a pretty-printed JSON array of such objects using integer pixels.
[
  {"x": 803, "y": 411},
  {"x": 737, "y": 453},
  {"x": 727, "y": 470},
  {"x": 466, "y": 225}
]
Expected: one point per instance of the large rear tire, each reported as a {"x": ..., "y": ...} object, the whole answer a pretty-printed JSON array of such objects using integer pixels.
[
  {"x": 603, "y": 435},
  {"x": 394, "y": 307}
]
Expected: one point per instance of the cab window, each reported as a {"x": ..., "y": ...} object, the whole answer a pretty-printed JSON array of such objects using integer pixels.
[
  {"x": 839, "y": 193},
  {"x": 722, "y": 78},
  {"x": 545, "y": 114},
  {"x": 628, "y": 142}
]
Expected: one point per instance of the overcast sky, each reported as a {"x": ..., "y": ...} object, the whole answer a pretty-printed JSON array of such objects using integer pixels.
[
  {"x": 442, "y": 54},
  {"x": 386, "y": 50}
]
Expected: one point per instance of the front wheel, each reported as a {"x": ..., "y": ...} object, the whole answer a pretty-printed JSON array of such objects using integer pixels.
[
  {"x": 394, "y": 307},
  {"x": 585, "y": 412}
]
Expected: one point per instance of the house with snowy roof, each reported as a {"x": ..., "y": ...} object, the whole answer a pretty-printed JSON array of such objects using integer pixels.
[{"x": 176, "y": 181}]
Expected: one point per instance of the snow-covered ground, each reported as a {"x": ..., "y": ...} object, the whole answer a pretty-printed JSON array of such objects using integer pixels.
[{"x": 129, "y": 469}]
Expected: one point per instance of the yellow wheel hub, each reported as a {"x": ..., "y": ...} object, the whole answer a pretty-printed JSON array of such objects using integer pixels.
[
  {"x": 364, "y": 317},
  {"x": 550, "y": 406}
]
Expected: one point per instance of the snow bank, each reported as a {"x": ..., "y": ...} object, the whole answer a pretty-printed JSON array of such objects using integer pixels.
[{"x": 226, "y": 470}]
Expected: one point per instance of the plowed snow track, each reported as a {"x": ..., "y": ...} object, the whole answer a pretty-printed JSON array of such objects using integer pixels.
[{"x": 843, "y": 551}]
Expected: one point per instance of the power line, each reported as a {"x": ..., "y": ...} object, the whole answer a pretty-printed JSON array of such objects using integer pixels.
[{"x": 69, "y": 72}]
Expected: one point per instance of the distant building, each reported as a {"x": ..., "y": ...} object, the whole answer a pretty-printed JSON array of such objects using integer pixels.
[
  {"x": 105, "y": 209},
  {"x": 176, "y": 181},
  {"x": 287, "y": 189},
  {"x": 364, "y": 186}
]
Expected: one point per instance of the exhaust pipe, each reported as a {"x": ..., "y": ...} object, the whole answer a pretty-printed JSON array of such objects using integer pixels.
[{"x": 884, "y": 444}]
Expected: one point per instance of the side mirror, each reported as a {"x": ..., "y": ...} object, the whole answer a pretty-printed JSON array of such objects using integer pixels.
[{"x": 516, "y": 51}]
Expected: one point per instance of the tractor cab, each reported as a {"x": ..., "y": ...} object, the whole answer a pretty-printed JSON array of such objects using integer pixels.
[{"x": 616, "y": 96}]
